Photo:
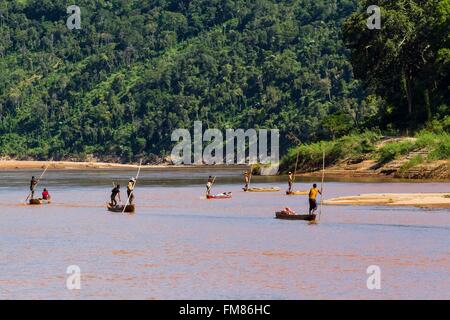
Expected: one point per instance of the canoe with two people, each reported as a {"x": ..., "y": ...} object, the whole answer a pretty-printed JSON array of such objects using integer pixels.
[
  {"x": 115, "y": 194},
  {"x": 289, "y": 214},
  {"x": 209, "y": 184},
  {"x": 45, "y": 199}
]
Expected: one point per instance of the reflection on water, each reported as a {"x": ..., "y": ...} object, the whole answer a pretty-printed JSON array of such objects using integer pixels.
[{"x": 181, "y": 246}]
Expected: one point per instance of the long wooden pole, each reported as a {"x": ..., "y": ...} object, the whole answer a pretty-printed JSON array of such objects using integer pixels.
[
  {"x": 295, "y": 170},
  {"x": 134, "y": 185},
  {"x": 321, "y": 185},
  {"x": 48, "y": 165},
  {"x": 250, "y": 178}
]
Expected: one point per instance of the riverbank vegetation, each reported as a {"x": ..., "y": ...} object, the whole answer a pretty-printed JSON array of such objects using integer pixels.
[
  {"x": 436, "y": 145},
  {"x": 311, "y": 155},
  {"x": 405, "y": 67},
  {"x": 426, "y": 146}
]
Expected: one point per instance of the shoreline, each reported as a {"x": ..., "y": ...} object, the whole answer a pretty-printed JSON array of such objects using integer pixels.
[
  {"x": 330, "y": 173},
  {"x": 6, "y": 165},
  {"x": 348, "y": 175}
]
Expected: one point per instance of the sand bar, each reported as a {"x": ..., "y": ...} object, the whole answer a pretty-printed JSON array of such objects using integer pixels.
[{"x": 423, "y": 200}]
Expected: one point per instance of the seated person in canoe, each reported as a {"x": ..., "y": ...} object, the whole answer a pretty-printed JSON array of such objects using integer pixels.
[{"x": 46, "y": 195}]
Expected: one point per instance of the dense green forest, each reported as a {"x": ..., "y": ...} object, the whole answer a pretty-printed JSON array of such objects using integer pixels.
[
  {"x": 137, "y": 70},
  {"x": 407, "y": 61}
]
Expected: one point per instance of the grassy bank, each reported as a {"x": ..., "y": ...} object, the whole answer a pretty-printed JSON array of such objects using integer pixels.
[
  {"x": 437, "y": 146},
  {"x": 310, "y": 155},
  {"x": 424, "y": 147}
]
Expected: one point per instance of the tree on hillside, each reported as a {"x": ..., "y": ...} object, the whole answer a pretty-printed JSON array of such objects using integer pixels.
[{"x": 406, "y": 61}]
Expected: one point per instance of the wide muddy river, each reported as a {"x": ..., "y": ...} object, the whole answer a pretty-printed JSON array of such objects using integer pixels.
[{"x": 179, "y": 245}]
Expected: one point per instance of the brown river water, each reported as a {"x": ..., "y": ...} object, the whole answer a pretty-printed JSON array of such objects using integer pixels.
[{"x": 179, "y": 245}]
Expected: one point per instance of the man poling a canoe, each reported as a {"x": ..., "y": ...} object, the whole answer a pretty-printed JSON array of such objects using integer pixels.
[
  {"x": 290, "y": 182},
  {"x": 209, "y": 184},
  {"x": 33, "y": 184},
  {"x": 130, "y": 189},
  {"x": 114, "y": 194},
  {"x": 313, "y": 198},
  {"x": 247, "y": 176}
]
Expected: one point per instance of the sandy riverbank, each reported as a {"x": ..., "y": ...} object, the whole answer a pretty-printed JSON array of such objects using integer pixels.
[
  {"x": 423, "y": 200},
  {"x": 434, "y": 170},
  {"x": 70, "y": 165},
  {"x": 30, "y": 165}
]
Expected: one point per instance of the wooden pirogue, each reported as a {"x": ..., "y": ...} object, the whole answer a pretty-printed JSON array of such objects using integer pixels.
[
  {"x": 273, "y": 189},
  {"x": 225, "y": 195},
  {"x": 297, "y": 193},
  {"x": 128, "y": 209},
  {"x": 37, "y": 202},
  {"x": 284, "y": 215}
]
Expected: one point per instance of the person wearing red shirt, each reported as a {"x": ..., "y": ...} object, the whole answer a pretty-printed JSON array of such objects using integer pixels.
[{"x": 45, "y": 195}]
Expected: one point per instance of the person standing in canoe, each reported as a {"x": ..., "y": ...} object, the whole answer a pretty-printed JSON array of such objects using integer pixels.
[
  {"x": 313, "y": 198},
  {"x": 114, "y": 194},
  {"x": 290, "y": 182},
  {"x": 130, "y": 189},
  {"x": 246, "y": 179},
  {"x": 209, "y": 184},
  {"x": 45, "y": 195},
  {"x": 33, "y": 184}
]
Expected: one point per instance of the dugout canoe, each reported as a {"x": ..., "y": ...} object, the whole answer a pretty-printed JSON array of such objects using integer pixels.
[
  {"x": 273, "y": 189},
  {"x": 283, "y": 215},
  {"x": 129, "y": 209},
  {"x": 297, "y": 193},
  {"x": 37, "y": 202},
  {"x": 225, "y": 195}
]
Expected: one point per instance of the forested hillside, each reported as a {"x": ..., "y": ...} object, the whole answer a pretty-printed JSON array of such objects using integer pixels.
[{"x": 137, "y": 70}]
